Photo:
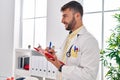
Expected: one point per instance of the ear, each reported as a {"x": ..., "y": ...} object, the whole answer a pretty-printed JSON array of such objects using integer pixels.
[{"x": 77, "y": 15}]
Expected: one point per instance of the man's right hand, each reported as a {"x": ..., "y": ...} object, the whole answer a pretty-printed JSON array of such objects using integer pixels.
[{"x": 52, "y": 51}]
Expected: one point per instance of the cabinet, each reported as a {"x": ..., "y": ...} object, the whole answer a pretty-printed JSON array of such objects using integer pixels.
[
  {"x": 38, "y": 65},
  {"x": 19, "y": 71}
]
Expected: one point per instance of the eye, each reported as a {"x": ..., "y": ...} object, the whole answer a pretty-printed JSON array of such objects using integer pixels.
[{"x": 65, "y": 15}]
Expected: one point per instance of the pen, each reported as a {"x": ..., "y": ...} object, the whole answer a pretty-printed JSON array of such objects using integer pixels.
[
  {"x": 50, "y": 44},
  {"x": 74, "y": 48}
]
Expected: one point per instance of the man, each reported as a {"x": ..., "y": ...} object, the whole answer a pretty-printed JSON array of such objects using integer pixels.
[{"x": 80, "y": 51}]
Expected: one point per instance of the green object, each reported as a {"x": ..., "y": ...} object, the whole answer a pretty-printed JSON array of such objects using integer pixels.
[{"x": 110, "y": 56}]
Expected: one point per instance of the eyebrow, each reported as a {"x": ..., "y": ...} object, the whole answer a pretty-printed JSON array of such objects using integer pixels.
[{"x": 64, "y": 15}]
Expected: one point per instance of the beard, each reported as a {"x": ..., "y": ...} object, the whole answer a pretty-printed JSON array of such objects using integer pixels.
[{"x": 71, "y": 24}]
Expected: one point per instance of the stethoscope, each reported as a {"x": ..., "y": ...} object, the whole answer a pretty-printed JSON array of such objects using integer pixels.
[{"x": 68, "y": 54}]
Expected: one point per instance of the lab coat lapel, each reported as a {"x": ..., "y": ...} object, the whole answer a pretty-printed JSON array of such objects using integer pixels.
[{"x": 82, "y": 31}]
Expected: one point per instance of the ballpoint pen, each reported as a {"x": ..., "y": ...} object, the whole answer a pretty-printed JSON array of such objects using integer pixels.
[
  {"x": 74, "y": 48},
  {"x": 50, "y": 45}
]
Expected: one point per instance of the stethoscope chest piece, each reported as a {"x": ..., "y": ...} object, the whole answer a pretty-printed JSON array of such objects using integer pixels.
[{"x": 68, "y": 54}]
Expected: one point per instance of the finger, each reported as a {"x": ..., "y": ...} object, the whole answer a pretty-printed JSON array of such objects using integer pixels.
[
  {"x": 47, "y": 49},
  {"x": 55, "y": 57},
  {"x": 52, "y": 51}
]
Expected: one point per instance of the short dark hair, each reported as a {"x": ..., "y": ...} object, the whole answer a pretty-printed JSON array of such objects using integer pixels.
[{"x": 74, "y": 5}]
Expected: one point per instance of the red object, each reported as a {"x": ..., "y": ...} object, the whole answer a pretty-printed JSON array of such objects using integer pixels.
[
  {"x": 49, "y": 56},
  {"x": 45, "y": 53},
  {"x": 26, "y": 66},
  {"x": 12, "y": 78},
  {"x": 8, "y": 79},
  {"x": 37, "y": 49}
]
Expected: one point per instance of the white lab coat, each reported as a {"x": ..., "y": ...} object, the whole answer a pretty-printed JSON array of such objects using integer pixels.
[{"x": 85, "y": 65}]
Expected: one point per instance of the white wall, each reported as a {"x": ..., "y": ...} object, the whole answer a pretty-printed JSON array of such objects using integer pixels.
[
  {"x": 6, "y": 37},
  {"x": 55, "y": 29}
]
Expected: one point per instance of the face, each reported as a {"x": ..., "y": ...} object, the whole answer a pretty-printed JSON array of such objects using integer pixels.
[{"x": 68, "y": 19}]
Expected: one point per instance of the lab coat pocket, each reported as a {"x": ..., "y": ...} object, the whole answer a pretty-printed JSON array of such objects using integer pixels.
[
  {"x": 74, "y": 59},
  {"x": 74, "y": 53}
]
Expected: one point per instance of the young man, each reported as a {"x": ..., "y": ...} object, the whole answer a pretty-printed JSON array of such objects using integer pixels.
[{"x": 80, "y": 51}]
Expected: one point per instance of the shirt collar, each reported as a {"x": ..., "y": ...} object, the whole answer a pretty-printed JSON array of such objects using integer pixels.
[{"x": 77, "y": 30}]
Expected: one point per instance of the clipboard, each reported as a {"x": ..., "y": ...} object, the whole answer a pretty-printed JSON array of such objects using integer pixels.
[{"x": 45, "y": 53}]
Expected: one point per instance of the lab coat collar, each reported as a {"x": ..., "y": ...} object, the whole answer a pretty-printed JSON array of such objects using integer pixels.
[{"x": 82, "y": 30}]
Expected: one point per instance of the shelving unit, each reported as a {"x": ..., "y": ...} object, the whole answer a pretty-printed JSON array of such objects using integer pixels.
[
  {"x": 46, "y": 72},
  {"x": 20, "y": 71}
]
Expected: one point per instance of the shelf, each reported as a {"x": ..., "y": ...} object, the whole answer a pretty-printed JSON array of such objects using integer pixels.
[
  {"x": 22, "y": 72},
  {"x": 22, "y": 55}
]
